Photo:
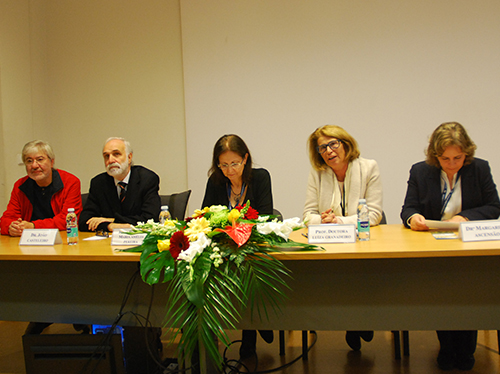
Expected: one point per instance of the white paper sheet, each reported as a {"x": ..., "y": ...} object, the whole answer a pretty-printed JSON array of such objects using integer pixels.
[
  {"x": 442, "y": 225},
  {"x": 91, "y": 238}
]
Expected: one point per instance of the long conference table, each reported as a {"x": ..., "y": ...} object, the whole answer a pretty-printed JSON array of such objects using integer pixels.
[{"x": 399, "y": 280}]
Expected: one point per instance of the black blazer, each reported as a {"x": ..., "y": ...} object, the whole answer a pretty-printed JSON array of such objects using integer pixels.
[
  {"x": 142, "y": 201},
  {"x": 258, "y": 192},
  {"x": 479, "y": 193}
]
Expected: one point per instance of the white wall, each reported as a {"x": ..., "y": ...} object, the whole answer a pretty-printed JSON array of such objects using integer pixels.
[
  {"x": 16, "y": 97},
  {"x": 389, "y": 72},
  {"x": 115, "y": 69},
  {"x": 76, "y": 72}
]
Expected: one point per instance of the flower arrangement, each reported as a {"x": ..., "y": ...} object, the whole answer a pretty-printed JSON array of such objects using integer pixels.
[{"x": 218, "y": 263}]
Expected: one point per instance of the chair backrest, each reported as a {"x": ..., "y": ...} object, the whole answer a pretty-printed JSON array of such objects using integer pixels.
[
  {"x": 383, "y": 221},
  {"x": 177, "y": 203},
  {"x": 84, "y": 198},
  {"x": 165, "y": 199},
  {"x": 276, "y": 212}
]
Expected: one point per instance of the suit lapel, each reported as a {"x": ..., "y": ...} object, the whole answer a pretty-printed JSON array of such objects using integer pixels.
[
  {"x": 434, "y": 181},
  {"x": 132, "y": 189},
  {"x": 467, "y": 187},
  {"x": 111, "y": 195},
  {"x": 353, "y": 185}
]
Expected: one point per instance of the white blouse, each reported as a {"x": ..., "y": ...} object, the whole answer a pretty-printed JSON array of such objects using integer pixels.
[{"x": 451, "y": 195}]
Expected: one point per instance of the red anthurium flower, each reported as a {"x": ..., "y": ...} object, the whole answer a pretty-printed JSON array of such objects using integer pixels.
[
  {"x": 178, "y": 243},
  {"x": 239, "y": 233}
]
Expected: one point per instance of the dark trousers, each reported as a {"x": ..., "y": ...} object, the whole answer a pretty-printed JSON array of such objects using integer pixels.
[{"x": 459, "y": 342}]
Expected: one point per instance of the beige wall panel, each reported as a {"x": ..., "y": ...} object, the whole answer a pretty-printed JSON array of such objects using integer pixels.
[
  {"x": 387, "y": 71},
  {"x": 15, "y": 91},
  {"x": 115, "y": 69},
  {"x": 76, "y": 72}
]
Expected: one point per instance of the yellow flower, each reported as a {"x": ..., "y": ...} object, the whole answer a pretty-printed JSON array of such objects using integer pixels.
[
  {"x": 163, "y": 245},
  {"x": 198, "y": 212},
  {"x": 169, "y": 223},
  {"x": 196, "y": 227},
  {"x": 233, "y": 215}
]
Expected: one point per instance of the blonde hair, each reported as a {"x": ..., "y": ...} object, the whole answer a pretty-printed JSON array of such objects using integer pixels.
[
  {"x": 348, "y": 142},
  {"x": 449, "y": 134}
]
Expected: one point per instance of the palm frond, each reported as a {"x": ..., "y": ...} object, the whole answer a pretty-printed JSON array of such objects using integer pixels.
[{"x": 214, "y": 277}]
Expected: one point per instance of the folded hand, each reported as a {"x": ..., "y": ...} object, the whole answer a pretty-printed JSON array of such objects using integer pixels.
[{"x": 96, "y": 221}]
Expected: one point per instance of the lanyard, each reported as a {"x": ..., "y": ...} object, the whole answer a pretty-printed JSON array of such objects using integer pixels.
[
  {"x": 237, "y": 199},
  {"x": 446, "y": 198},
  {"x": 342, "y": 201}
]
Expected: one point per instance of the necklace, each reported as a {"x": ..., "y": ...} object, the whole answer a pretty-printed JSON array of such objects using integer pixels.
[{"x": 237, "y": 197}]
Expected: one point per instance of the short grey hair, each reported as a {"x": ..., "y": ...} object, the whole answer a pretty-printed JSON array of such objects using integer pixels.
[
  {"x": 37, "y": 146},
  {"x": 128, "y": 147}
]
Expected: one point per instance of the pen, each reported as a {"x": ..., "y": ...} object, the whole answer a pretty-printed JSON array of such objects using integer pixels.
[{"x": 304, "y": 235}]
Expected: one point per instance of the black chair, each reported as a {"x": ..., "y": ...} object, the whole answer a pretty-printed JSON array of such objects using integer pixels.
[
  {"x": 84, "y": 198},
  {"x": 177, "y": 203},
  {"x": 276, "y": 212},
  {"x": 383, "y": 221},
  {"x": 397, "y": 343}
]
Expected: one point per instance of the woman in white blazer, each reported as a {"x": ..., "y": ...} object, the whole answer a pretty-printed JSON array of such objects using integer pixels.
[{"x": 338, "y": 179}]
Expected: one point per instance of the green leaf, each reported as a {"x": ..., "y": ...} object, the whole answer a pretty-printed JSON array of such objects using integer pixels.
[
  {"x": 194, "y": 292},
  {"x": 194, "y": 288},
  {"x": 154, "y": 264}
]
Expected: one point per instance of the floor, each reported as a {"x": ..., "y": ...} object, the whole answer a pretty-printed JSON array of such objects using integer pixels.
[{"x": 330, "y": 354}]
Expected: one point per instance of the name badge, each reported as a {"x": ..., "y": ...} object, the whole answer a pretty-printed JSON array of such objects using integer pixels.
[
  {"x": 475, "y": 231},
  {"x": 120, "y": 237},
  {"x": 40, "y": 237},
  {"x": 330, "y": 233}
]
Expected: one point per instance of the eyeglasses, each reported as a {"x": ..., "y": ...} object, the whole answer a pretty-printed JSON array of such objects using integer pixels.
[
  {"x": 334, "y": 144},
  {"x": 233, "y": 165},
  {"x": 39, "y": 160}
]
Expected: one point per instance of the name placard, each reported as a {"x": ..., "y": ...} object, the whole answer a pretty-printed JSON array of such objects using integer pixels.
[
  {"x": 40, "y": 237},
  {"x": 120, "y": 237},
  {"x": 475, "y": 231},
  {"x": 331, "y": 233}
]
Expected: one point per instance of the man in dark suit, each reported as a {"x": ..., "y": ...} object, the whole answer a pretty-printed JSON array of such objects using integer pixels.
[{"x": 122, "y": 196}]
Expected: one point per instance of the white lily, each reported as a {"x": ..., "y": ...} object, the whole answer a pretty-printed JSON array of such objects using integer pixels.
[
  {"x": 283, "y": 229},
  {"x": 294, "y": 223},
  {"x": 195, "y": 248}
]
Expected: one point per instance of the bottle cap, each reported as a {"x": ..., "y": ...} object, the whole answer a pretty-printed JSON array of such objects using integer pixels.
[
  {"x": 362, "y": 201},
  {"x": 71, "y": 209},
  {"x": 164, "y": 207}
]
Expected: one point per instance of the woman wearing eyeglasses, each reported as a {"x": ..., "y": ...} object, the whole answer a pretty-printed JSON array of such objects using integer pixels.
[
  {"x": 451, "y": 185},
  {"x": 338, "y": 179},
  {"x": 232, "y": 181}
]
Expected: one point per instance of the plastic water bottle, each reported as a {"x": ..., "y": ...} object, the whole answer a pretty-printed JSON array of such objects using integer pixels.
[
  {"x": 363, "y": 220},
  {"x": 72, "y": 226},
  {"x": 164, "y": 214}
]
